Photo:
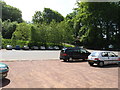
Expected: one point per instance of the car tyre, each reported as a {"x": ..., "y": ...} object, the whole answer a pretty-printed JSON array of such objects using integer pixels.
[
  {"x": 91, "y": 64},
  {"x": 119, "y": 64},
  {"x": 70, "y": 59},
  {"x": 65, "y": 60},
  {"x": 101, "y": 64}
]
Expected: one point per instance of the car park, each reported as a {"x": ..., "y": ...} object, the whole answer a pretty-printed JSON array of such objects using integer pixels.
[
  {"x": 68, "y": 54},
  {"x": 17, "y": 47},
  {"x": 25, "y": 48},
  {"x": 42, "y": 47},
  {"x": 3, "y": 70},
  {"x": 56, "y": 47},
  {"x": 9, "y": 47},
  {"x": 102, "y": 58},
  {"x": 34, "y": 48},
  {"x": 50, "y": 48}
]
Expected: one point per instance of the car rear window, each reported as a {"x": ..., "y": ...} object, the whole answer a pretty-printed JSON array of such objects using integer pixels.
[
  {"x": 94, "y": 54},
  {"x": 69, "y": 50},
  {"x": 84, "y": 51},
  {"x": 66, "y": 50}
]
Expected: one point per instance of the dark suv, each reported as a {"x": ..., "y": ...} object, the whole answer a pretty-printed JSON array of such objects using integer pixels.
[{"x": 68, "y": 54}]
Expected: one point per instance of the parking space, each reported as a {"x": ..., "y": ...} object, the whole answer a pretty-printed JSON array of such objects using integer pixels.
[
  {"x": 58, "y": 74},
  {"x": 13, "y": 55}
]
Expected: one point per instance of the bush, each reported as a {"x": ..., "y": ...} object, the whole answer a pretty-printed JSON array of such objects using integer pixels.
[
  {"x": 21, "y": 43},
  {"x": 34, "y": 43},
  {"x": 68, "y": 45},
  {"x": 6, "y": 42}
]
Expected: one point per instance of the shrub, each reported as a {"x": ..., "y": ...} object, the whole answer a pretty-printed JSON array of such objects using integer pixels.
[
  {"x": 6, "y": 42},
  {"x": 68, "y": 45}
]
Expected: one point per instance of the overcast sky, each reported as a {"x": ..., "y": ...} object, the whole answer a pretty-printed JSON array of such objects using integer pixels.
[{"x": 28, "y": 7}]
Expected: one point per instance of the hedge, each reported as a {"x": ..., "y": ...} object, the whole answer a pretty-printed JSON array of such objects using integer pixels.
[{"x": 6, "y": 42}]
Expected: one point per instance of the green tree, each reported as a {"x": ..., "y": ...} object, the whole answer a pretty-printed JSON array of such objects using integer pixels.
[
  {"x": 0, "y": 32},
  {"x": 8, "y": 29},
  {"x": 47, "y": 16},
  {"x": 38, "y": 17},
  {"x": 10, "y": 12},
  {"x": 39, "y": 34},
  {"x": 97, "y": 22},
  {"x": 66, "y": 31},
  {"x": 53, "y": 33},
  {"x": 70, "y": 18},
  {"x": 22, "y": 32}
]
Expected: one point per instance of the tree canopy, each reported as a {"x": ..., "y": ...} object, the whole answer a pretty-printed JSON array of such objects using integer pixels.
[
  {"x": 47, "y": 16},
  {"x": 97, "y": 22},
  {"x": 10, "y": 12},
  {"x": 94, "y": 24}
]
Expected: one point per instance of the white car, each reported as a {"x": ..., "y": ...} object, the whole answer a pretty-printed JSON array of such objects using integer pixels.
[
  {"x": 25, "y": 48},
  {"x": 42, "y": 47},
  {"x": 56, "y": 47},
  {"x": 102, "y": 58},
  {"x": 9, "y": 47},
  {"x": 50, "y": 48}
]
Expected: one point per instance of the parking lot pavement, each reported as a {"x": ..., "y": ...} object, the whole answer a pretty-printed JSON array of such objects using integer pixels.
[
  {"x": 13, "y": 55},
  {"x": 59, "y": 74}
]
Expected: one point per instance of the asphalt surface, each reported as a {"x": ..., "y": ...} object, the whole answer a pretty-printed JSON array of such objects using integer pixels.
[
  {"x": 13, "y": 55},
  {"x": 59, "y": 74}
]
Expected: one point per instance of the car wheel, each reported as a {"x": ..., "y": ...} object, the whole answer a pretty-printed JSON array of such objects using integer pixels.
[
  {"x": 83, "y": 59},
  {"x": 65, "y": 60},
  {"x": 91, "y": 64},
  {"x": 101, "y": 64},
  {"x": 70, "y": 59},
  {"x": 119, "y": 64}
]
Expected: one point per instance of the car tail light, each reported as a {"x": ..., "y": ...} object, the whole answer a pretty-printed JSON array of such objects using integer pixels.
[
  {"x": 119, "y": 59},
  {"x": 96, "y": 59},
  {"x": 64, "y": 54}
]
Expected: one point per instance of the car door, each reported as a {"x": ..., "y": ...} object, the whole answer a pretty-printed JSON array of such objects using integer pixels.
[
  {"x": 70, "y": 53},
  {"x": 84, "y": 54},
  {"x": 104, "y": 57},
  {"x": 113, "y": 58},
  {"x": 81, "y": 54},
  {"x": 76, "y": 53}
]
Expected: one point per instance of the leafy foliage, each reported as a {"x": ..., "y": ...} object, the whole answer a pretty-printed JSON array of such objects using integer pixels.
[
  {"x": 8, "y": 28},
  {"x": 22, "y": 32},
  {"x": 6, "y": 42},
  {"x": 97, "y": 22},
  {"x": 47, "y": 16},
  {"x": 94, "y": 24},
  {"x": 10, "y": 12},
  {"x": 51, "y": 33}
]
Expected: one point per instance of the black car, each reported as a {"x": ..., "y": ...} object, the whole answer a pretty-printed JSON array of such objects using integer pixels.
[
  {"x": 68, "y": 54},
  {"x": 17, "y": 47}
]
